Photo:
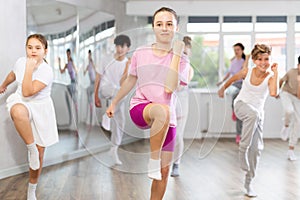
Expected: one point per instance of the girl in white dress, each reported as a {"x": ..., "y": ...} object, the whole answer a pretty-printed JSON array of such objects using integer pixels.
[{"x": 31, "y": 107}]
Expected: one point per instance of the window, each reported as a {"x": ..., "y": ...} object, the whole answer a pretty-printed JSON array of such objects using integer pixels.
[
  {"x": 237, "y": 24},
  {"x": 204, "y": 59},
  {"x": 271, "y": 24},
  {"x": 203, "y": 24}
]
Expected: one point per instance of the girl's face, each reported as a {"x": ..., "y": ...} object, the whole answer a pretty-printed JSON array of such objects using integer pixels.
[
  {"x": 238, "y": 51},
  {"x": 35, "y": 49},
  {"x": 262, "y": 62},
  {"x": 164, "y": 26}
]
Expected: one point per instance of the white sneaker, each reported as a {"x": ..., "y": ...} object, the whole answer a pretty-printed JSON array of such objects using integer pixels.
[
  {"x": 291, "y": 155},
  {"x": 284, "y": 133},
  {"x": 115, "y": 157}
]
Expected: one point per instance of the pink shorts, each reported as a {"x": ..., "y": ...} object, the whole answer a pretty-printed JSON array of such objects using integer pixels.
[{"x": 136, "y": 114}]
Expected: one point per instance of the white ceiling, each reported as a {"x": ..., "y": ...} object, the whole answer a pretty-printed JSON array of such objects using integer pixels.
[{"x": 46, "y": 12}]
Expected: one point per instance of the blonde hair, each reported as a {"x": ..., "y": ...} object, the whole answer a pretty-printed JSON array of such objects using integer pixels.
[{"x": 260, "y": 49}]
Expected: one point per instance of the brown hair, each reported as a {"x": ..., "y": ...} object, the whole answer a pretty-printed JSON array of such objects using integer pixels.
[
  {"x": 187, "y": 41},
  {"x": 165, "y": 9},
  {"x": 39, "y": 37},
  {"x": 260, "y": 49}
]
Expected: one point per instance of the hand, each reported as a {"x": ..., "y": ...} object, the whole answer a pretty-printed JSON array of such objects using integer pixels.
[
  {"x": 97, "y": 101},
  {"x": 2, "y": 89},
  {"x": 178, "y": 47},
  {"x": 110, "y": 110},
  {"x": 221, "y": 92},
  {"x": 31, "y": 63},
  {"x": 274, "y": 67},
  {"x": 219, "y": 83}
]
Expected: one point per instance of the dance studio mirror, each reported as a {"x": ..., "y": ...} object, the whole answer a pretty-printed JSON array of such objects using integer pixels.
[{"x": 70, "y": 27}]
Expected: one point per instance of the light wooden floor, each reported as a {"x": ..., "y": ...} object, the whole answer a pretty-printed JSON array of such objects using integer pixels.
[{"x": 212, "y": 177}]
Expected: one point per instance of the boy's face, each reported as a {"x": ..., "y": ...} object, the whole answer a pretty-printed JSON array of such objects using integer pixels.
[{"x": 122, "y": 50}]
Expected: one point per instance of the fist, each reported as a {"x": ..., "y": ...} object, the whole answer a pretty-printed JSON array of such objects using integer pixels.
[
  {"x": 178, "y": 47},
  {"x": 274, "y": 67},
  {"x": 31, "y": 63}
]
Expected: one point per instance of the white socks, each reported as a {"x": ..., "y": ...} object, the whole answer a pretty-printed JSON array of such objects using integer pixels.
[
  {"x": 154, "y": 169},
  {"x": 114, "y": 154},
  {"x": 33, "y": 156},
  {"x": 31, "y": 191}
]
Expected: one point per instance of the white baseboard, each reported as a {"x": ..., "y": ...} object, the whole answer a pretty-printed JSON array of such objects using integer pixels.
[{"x": 4, "y": 173}]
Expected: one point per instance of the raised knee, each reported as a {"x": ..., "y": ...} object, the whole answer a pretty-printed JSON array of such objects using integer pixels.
[
  {"x": 253, "y": 115},
  {"x": 19, "y": 112},
  {"x": 163, "y": 113}
]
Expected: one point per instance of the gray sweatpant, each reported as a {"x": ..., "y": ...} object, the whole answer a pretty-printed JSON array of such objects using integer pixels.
[{"x": 251, "y": 143}]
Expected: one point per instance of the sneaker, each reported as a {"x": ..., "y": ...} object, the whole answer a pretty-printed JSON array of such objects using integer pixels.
[
  {"x": 237, "y": 139},
  {"x": 284, "y": 133},
  {"x": 233, "y": 116},
  {"x": 175, "y": 170},
  {"x": 291, "y": 155},
  {"x": 115, "y": 157}
]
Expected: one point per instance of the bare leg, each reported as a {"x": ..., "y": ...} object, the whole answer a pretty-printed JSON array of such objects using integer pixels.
[
  {"x": 20, "y": 116},
  {"x": 158, "y": 187},
  {"x": 158, "y": 117}
]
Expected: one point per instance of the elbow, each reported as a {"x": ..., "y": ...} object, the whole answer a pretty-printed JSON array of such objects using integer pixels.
[
  {"x": 26, "y": 94},
  {"x": 274, "y": 94}
]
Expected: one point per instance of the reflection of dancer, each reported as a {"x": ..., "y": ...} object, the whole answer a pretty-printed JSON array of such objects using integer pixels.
[
  {"x": 155, "y": 70},
  {"x": 236, "y": 65},
  {"x": 249, "y": 107},
  {"x": 109, "y": 78},
  {"x": 72, "y": 72},
  {"x": 31, "y": 106},
  {"x": 290, "y": 98},
  {"x": 90, "y": 68},
  {"x": 182, "y": 109}
]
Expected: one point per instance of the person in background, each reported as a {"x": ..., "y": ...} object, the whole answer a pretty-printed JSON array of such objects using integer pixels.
[
  {"x": 72, "y": 70},
  {"x": 237, "y": 63},
  {"x": 31, "y": 107},
  {"x": 90, "y": 68},
  {"x": 290, "y": 98},
  {"x": 109, "y": 77},
  {"x": 182, "y": 109}
]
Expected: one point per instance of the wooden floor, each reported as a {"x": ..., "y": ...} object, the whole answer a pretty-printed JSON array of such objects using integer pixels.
[{"x": 209, "y": 171}]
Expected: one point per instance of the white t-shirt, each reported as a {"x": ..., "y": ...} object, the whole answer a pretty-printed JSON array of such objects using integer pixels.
[
  {"x": 43, "y": 74},
  {"x": 111, "y": 71}
]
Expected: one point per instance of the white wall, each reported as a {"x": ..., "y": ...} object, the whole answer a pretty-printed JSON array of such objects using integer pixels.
[
  {"x": 210, "y": 113},
  {"x": 13, "y": 37}
]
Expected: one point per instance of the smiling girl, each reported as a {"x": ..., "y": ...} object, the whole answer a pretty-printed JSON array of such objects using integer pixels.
[
  {"x": 31, "y": 107},
  {"x": 157, "y": 70},
  {"x": 249, "y": 107}
]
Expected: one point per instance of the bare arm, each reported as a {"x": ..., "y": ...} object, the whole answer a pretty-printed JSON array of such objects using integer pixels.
[
  {"x": 126, "y": 87},
  {"x": 224, "y": 79},
  {"x": 11, "y": 77},
  {"x": 125, "y": 73},
  {"x": 29, "y": 87},
  {"x": 96, "y": 90},
  {"x": 240, "y": 75},
  {"x": 273, "y": 81},
  {"x": 298, "y": 89},
  {"x": 171, "y": 83}
]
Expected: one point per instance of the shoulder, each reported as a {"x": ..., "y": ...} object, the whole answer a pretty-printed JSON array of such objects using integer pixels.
[{"x": 21, "y": 60}]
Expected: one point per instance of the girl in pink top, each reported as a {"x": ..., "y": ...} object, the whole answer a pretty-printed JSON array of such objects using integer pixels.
[{"x": 157, "y": 70}]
